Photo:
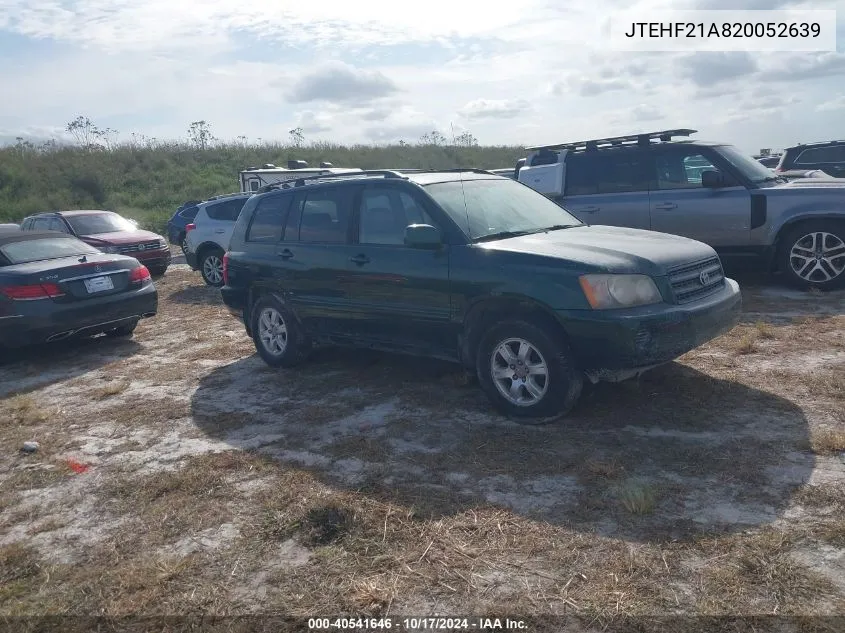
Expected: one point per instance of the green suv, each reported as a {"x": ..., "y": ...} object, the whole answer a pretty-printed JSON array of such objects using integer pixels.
[{"x": 474, "y": 268}]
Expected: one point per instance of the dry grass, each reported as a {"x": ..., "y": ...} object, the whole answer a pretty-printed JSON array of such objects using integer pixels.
[
  {"x": 764, "y": 330},
  {"x": 747, "y": 344},
  {"x": 23, "y": 410},
  {"x": 111, "y": 389},
  {"x": 828, "y": 441}
]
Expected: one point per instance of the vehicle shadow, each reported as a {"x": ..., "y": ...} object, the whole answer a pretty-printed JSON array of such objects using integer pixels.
[
  {"x": 671, "y": 456},
  {"x": 196, "y": 295},
  {"x": 28, "y": 368}
]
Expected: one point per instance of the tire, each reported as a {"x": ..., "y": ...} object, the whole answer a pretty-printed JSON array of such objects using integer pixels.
[
  {"x": 158, "y": 271},
  {"x": 181, "y": 242},
  {"x": 560, "y": 388},
  {"x": 211, "y": 267},
  {"x": 802, "y": 246},
  {"x": 277, "y": 350},
  {"x": 123, "y": 330}
]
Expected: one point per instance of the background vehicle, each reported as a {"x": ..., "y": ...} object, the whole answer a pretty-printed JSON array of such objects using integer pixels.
[
  {"x": 474, "y": 268},
  {"x": 184, "y": 215},
  {"x": 54, "y": 286},
  {"x": 108, "y": 232},
  {"x": 768, "y": 161},
  {"x": 828, "y": 157},
  {"x": 9, "y": 227},
  {"x": 253, "y": 178},
  {"x": 207, "y": 237},
  {"x": 710, "y": 192}
]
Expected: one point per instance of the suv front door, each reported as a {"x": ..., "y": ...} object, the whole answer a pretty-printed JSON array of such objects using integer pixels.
[
  {"x": 682, "y": 206},
  {"x": 400, "y": 294},
  {"x": 608, "y": 187}
]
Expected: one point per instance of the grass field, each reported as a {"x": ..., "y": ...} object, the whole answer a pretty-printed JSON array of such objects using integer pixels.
[{"x": 148, "y": 183}]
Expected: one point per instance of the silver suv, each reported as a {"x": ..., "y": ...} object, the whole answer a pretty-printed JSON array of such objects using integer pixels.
[
  {"x": 207, "y": 237},
  {"x": 711, "y": 192}
]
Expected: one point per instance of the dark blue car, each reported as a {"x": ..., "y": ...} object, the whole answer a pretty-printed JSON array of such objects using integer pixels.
[{"x": 184, "y": 215}]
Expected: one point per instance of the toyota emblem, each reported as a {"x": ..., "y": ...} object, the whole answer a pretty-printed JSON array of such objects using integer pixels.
[{"x": 704, "y": 277}]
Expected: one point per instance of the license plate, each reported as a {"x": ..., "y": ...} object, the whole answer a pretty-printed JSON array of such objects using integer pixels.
[{"x": 98, "y": 284}]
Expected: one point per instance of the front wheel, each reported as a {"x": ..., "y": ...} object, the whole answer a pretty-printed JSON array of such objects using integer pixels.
[
  {"x": 813, "y": 255},
  {"x": 528, "y": 372},
  {"x": 211, "y": 267}
]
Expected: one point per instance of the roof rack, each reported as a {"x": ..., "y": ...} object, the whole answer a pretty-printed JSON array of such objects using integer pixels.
[
  {"x": 299, "y": 182},
  {"x": 642, "y": 139}
]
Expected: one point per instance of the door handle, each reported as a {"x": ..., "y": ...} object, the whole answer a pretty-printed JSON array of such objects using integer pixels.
[
  {"x": 666, "y": 205},
  {"x": 286, "y": 254},
  {"x": 590, "y": 209},
  {"x": 359, "y": 259},
  {"x": 220, "y": 231}
]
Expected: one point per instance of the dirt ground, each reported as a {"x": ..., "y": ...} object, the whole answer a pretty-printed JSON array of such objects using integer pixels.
[{"x": 178, "y": 474}]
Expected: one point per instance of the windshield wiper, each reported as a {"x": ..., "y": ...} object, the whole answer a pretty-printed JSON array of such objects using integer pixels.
[
  {"x": 557, "y": 227},
  {"x": 501, "y": 235}
]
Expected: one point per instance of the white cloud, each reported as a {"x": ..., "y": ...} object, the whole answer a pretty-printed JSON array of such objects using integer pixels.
[
  {"x": 837, "y": 103},
  {"x": 356, "y": 72}
]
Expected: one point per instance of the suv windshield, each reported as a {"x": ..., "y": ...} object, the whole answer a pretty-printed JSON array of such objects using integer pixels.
[
  {"x": 750, "y": 168},
  {"x": 94, "y": 223},
  {"x": 45, "y": 248},
  {"x": 498, "y": 208}
]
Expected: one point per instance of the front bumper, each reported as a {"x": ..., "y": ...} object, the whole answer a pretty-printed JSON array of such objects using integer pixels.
[
  {"x": 160, "y": 258},
  {"x": 608, "y": 340},
  {"x": 45, "y": 320}
]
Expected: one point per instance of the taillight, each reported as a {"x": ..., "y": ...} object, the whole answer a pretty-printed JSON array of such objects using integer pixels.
[
  {"x": 139, "y": 275},
  {"x": 34, "y": 291},
  {"x": 190, "y": 227},
  {"x": 225, "y": 269}
]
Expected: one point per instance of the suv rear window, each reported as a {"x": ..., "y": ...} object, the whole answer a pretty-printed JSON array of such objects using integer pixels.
[
  {"x": 321, "y": 216},
  {"x": 268, "y": 220},
  {"x": 24, "y": 251},
  {"x": 227, "y": 211}
]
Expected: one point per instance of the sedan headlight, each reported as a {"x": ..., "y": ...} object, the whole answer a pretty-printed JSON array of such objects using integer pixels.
[{"x": 619, "y": 291}]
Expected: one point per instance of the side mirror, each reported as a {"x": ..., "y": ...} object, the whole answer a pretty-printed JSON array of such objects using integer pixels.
[
  {"x": 712, "y": 179},
  {"x": 422, "y": 236}
]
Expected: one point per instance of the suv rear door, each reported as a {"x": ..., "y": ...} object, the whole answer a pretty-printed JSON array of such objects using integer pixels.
[
  {"x": 399, "y": 294},
  {"x": 310, "y": 272},
  {"x": 682, "y": 206},
  {"x": 608, "y": 187}
]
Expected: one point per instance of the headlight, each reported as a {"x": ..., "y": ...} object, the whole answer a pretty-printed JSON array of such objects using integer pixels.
[
  {"x": 162, "y": 244},
  {"x": 619, "y": 291},
  {"x": 109, "y": 249}
]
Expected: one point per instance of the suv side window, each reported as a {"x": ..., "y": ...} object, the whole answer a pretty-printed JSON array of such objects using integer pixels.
[
  {"x": 384, "y": 213},
  {"x": 227, "y": 211},
  {"x": 268, "y": 219},
  {"x": 190, "y": 213},
  {"x": 832, "y": 154},
  {"x": 606, "y": 172},
  {"x": 321, "y": 216},
  {"x": 41, "y": 224},
  {"x": 681, "y": 169}
]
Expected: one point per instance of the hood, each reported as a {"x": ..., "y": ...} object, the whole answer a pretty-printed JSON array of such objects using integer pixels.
[
  {"x": 813, "y": 183},
  {"x": 121, "y": 237},
  {"x": 609, "y": 248}
]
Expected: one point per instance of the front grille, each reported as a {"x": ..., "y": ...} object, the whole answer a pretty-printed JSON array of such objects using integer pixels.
[
  {"x": 139, "y": 247},
  {"x": 696, "y": 280}
]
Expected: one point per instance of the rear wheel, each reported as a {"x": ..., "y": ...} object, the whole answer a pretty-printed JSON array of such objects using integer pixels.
[
  {"x": 182, "y": 244},
  {"x": 812, "y": 254},
  {"x": 157, "y": 271},
  {"x": 211, "y": 267},
  {"x": 528, "y": 372},
  {"x": 123, "y": 330},
  {"x": 277, "y": 336}
]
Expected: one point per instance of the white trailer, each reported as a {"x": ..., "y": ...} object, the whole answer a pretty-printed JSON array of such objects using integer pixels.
[{"x": 252, "y": 178}]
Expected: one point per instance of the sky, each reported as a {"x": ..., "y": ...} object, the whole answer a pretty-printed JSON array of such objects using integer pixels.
[{"x": 526, "y": 73}]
